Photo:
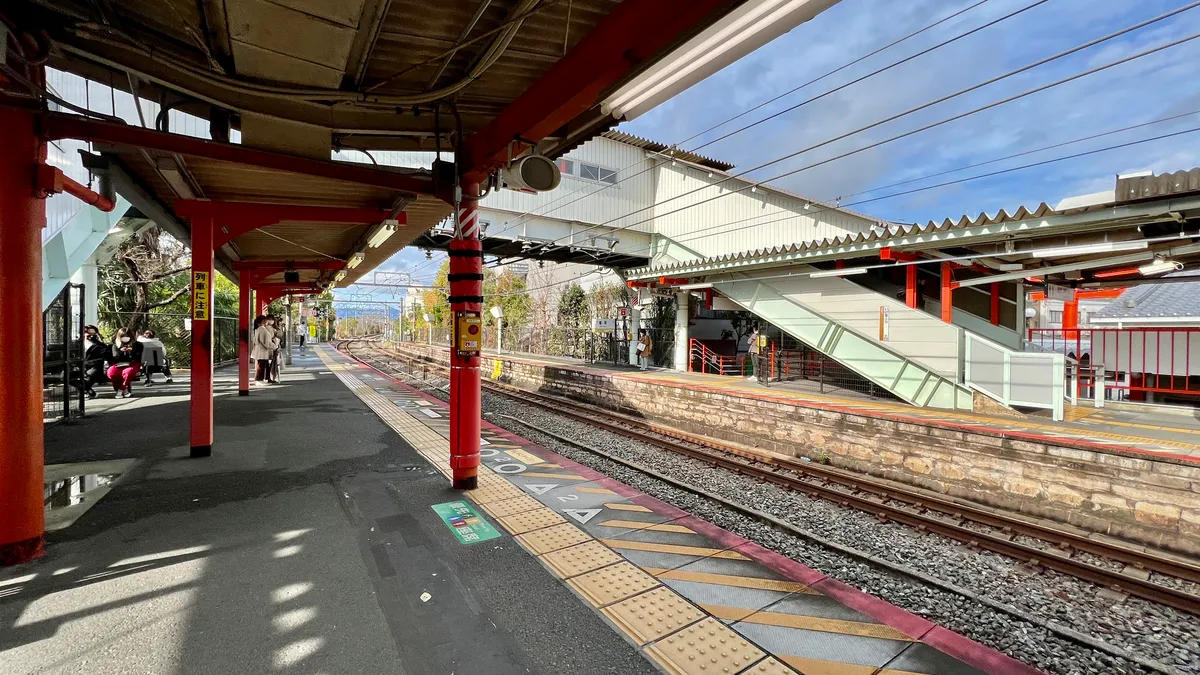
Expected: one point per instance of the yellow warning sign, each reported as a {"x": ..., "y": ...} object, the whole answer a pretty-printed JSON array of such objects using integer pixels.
[
  {"x": 497, "y": 368},
  {"x": 201, "y": 293}
]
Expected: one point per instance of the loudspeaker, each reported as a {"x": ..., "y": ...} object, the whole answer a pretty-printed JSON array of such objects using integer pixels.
[
  {"x": 532, "y": 172},
  {"x": 291, "y": 277}
]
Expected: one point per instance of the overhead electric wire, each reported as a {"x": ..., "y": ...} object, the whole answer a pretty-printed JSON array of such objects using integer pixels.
[
  {"x": 795, "y": 89},
  {"x": 929, "y": 187},
  {"x": 961, "y": 92},
  {"x": 537, "y": 211}
]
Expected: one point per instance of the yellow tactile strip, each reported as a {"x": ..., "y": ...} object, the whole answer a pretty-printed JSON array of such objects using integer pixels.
[
  {"x": 512, "y": 506},
  {"x": 703, "y": 648},
  {"x": 553, "y": 538},
  {"x": 613, "y": 583},
  {"x": 528, "y": 521},
  {"x": 653, "y": 614},
  {"x": 581, "y": 559}
]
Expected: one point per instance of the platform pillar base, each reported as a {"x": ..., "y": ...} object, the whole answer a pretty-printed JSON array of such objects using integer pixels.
[
  {"x": 243, "y": 392},
  {"x": 201, "y": 451},
  {"x": 20, "y": 552},
  {"x": 466, "y": 483}
]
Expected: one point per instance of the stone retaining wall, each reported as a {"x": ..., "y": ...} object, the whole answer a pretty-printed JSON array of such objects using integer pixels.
[{"x": 1135, "y": 498}]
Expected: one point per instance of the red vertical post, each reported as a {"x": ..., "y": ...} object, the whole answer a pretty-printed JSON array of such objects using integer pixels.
[
  {"x": 839, "y": 264},
  {"x": 22, "y": 217},
  {"x": 947, "y": 292},
  {"x": 995, "y": 303},
  {"x": 201, "y": 434},
  {"x": 466, "y": 295},
  {"x": 244, "y": 304},
  {"x": 910, "y": 286}
]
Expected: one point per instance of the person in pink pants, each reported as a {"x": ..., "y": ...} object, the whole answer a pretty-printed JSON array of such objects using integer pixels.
[{"x": 125, "y": 362}]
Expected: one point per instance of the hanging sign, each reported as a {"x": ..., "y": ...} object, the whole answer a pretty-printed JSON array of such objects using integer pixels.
[
  {"x": 1057, "y": 292},
  {"x": 885, "y": 323},
  {"x": 201, "y": 292},
  {"x": 467, "y": 525}
]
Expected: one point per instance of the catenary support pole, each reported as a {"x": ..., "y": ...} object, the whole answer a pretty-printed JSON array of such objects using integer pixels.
[
  {"x": 466, "y": 295},
  {"x": 201, "y": 432},
  {"x": 22, "y": 217},
  {"x": 244, "y": 303}
]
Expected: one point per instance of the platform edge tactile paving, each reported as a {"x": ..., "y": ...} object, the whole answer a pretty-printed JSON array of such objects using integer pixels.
[
  {"x": 580, "y": 559},
  {"x": 651, "y": 615},
  {"x": 613, "y": 583},
  {"x": 520, "y": 523},
  {"x": 553, "y": 538},
  {"x": 703, "y": 648},
  {"x": 769, "y": 666},
  {"x": 509, "y": 507}
]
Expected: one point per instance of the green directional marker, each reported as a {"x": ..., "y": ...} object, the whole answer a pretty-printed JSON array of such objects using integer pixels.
[{"x": 466, "y": 524}]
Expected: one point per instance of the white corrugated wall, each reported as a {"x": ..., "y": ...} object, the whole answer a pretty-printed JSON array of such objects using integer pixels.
[{"x": 738, "y": 221}]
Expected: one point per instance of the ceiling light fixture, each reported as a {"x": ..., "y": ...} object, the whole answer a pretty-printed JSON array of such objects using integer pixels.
[
  {"x": 747, "y": 28},
  {"x": 1159, "y": 266},
  {"x": 1088, "y": 249},
  {"x": 385, "y": 230},
  {"x": 356, "y": 260},
  {"x": 695, "y": 287},
  {"x": 844, "y": 272}
]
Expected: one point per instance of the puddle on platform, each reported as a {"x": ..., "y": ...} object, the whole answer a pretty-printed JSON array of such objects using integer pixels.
[{"x": 75, "y": 490}]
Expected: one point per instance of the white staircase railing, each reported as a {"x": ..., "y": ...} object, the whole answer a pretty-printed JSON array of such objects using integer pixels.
[{"x": 1024, "y": 379}]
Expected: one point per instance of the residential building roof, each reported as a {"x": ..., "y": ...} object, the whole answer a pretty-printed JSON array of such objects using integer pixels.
[{"x": 1154, "y": 301}]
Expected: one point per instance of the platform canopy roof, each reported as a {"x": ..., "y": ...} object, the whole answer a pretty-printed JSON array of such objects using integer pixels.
[
  {"x": 1092, "y": 241},
  {"x": 297, "y": 78}
]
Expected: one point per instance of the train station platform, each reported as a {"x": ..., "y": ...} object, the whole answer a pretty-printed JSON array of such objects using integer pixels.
[
  {"x": 322, "y": 536},
  {"x": 1156, "y": 431}
]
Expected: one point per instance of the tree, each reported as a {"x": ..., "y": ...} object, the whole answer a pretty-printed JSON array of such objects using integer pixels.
[
  {"x": 436, "y": 301},
  {"x": 508, "y": 291},
  {"x": 604, "y": 299},
  {"x": 572, "y": 307},
  {"x": 148, "y": 271}
]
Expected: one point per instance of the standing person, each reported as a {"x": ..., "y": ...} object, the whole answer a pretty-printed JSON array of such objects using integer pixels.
[
  {"x": 644, "y": 346},
  {"x": 301, "y": 334},
  {"x": 264, "y": 344},
  {"x": 126, "y": 362},
  {"x": 276, "y": 353},
  {"x": 755, "y": 353},
  {"x": 95, "y": 352}
]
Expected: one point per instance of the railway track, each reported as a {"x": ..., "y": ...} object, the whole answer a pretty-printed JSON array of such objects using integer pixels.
[{"x": 972, "y": 525}]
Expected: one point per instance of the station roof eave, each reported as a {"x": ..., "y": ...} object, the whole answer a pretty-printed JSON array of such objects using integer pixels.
[
  {"x": 171, "y": 178},
  {"x": 985, "y": 234},
  {"x": 516, "y": 249}
]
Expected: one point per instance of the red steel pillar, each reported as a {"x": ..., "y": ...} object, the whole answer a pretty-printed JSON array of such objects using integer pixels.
[
  {"x": 1070, "y": 318},
  {"x": 244, "y": 304},
  {"x": 202, "y": 337},
  {"x": 466, "y": 295},
  {"x": 22, "y": 218},
  {"x": 995, "y": 303},
  {"x": 910, "y": 286},
  {"x": 948, "y": 292}
]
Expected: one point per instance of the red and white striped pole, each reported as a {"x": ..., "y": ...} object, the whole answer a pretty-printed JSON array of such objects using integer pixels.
[{"x": 466, "y": 295}]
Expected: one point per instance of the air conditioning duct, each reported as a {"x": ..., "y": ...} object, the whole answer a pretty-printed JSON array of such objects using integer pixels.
[{"x": 532, "y": 173}]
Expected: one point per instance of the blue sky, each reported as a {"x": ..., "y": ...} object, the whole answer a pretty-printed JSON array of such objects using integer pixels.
[{"x": 1156, "y": 86}]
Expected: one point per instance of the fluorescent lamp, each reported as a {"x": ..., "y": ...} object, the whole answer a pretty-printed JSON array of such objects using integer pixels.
[
  {"x": 844, "y": 272},
  {"x": 743, "y": 30},
  {"x": 1087, "y": 249},
  {"x": 340, "y": 275},
  {"x": 387, "y": 229},
  {"x": 356, "y": 259},
  {"x": 1159, "y": 266},
  {"x": 695, "y": 287}
]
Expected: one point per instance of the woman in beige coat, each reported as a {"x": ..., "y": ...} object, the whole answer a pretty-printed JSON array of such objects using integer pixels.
[{"x": 263, "y": 344}]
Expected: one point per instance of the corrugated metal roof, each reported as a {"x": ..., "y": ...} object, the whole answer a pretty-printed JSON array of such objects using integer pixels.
[
  {"x": 1154, "y": 301},
  {"x": 885, "y": 232},
  {"x": 1162, "y": 185},
  {"x": 1128, "y": 190},
  {"x": 677, "y": 153}
]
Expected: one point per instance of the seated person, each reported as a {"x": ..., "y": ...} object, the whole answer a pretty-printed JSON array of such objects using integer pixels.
[
  {"x": 125, "y": 362},
  {"x": 154, "y": 356},
  {"x": 95, "y": 352}
]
